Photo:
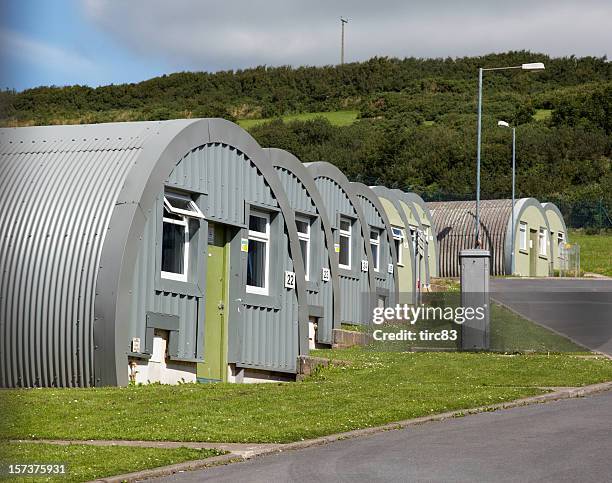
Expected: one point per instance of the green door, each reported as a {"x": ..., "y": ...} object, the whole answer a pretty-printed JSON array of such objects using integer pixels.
[
  {"x": 214, "y": 367},
  {"x": 533, "y": 253}
]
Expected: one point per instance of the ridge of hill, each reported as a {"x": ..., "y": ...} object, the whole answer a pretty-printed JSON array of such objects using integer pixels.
[{"x": 407, "y": 123}]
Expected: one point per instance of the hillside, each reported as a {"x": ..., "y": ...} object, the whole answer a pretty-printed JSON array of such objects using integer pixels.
[{"x": 415, "y": 126}]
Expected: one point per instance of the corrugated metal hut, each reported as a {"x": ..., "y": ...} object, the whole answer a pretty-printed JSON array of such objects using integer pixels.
[
  {"x": 145, "y": 252},
  {"x": 317, "y": 243},
  {"x": 419, "y": 236},
  {"x": 350, "y": 231},
  {"x": 455, "y": 226},
  {"x": 429, "y": 235},
  {"x": 406, "y": 274},
  {"x": 382, "y": 246},
  {"x": 558, "y": 231}
]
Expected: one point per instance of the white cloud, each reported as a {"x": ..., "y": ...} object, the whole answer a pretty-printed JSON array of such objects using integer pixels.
[
  {"x": 23, "y": 48},
  {"x": 206, "y": 34}
]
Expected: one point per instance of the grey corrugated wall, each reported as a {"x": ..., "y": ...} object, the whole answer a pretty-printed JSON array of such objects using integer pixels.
[
  {"x": 58, "y": 188},
  {"x": 319, "y": 293},
  {"x": 228, "y": 178},
  {"x": 383, "y": 278},
  {"x": 352, "y": 289}
]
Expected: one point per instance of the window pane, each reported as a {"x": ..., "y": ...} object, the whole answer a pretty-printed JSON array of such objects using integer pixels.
[
  {"x": 257, "y": 223},
  {"x": 173, "y": 248},
  {"x": 523, "y": 236},
  {"x": 375, "y": 255},
  {"x": 397, "y": 232},
  {"x": 304, "y": 248},
  {"x": 302, "y": 226},
  {"x": 344, "y": 250},
  {"x": 374, "y": 235},
  {"x": 180, "y": 203},
  {"x": 345, "y": 225},
  {"x": 256, "y": 265},
  {"x": 173, "y": 216}
]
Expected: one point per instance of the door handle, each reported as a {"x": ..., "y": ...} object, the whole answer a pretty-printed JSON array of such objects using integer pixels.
[
  {"x": 239, "y": 303},
  {"x": 220, "y": 305}
]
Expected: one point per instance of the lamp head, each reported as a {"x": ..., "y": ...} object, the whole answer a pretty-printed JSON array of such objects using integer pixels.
[
  {"x": 533, "y": 66},
  {"x": 502, "y": 124}
]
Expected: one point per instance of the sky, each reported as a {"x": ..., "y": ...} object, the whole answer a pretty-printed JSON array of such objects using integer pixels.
[{"x": 98, "y": 42}]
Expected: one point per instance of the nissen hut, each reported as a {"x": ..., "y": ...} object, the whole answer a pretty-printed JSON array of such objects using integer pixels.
[{"x": 146, "y": 251}]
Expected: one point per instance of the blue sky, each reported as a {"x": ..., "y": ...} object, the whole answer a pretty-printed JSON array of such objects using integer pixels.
[
  {"x": 55, "y": 43},
  {"x": 96, "y": 42}
]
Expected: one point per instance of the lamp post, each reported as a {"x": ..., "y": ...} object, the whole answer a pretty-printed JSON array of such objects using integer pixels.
[
  {"x": 530, "y": 66},
  {"x": 343, "y": 21},
  {"x": 505, "y": 124}
]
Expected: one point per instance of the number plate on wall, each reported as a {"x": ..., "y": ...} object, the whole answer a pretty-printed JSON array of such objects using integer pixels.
[
  {"x": 136, "y": 344},
  {"x": 390, "y": 268},
  {"x": 289, "y": 279},
  {"x": 325, "y": 275},
  {"x": 364, "y": 265}
]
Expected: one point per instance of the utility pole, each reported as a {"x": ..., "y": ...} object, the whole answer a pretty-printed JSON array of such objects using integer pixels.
[{"x": 342, "y": 22}]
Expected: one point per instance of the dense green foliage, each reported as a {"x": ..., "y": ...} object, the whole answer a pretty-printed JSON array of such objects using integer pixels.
[{"x": 417, "y": 127}]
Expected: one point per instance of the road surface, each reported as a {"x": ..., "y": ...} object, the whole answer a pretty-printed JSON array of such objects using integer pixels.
[
  {"x": 567, "y": 440},
  {"x": 579, "y": 309}
]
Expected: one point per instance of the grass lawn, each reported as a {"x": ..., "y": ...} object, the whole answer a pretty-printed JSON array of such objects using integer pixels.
[
  {"x": 542, "y": 114},
  {"x": 337, "y": 118},
  {"x": 355, "y": 327},
  {"x": 86, "y": 462},
  {"x": 511, "y": 332},
  {"x": 595, "y": 251},
  {"x": 378, "y": 387}
]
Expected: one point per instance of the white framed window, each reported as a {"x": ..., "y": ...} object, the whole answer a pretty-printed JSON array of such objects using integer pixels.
[
  {"x": 182, "y": 205},
  {"x": 542, "y": 239},
  {"x": 413, "y": 236},
  {"x": 258, "y": 258},
  {"x": 522, "y": 236},
  {"x": 375, "y": 247},
  {"x": 175, "y": 247},
  {"x": 179, "y": 209},
  {"x": 303, "y": 229},
  {"x": 344, "y": 257},
  {"x": 398, "y": 241}
]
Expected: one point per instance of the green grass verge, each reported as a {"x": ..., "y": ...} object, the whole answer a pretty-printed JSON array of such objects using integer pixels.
[
  {"x": 377, "y": 388},
  {"x": 85, "y": 462},
  {"x": 510, "y": 332},
  {"x": 542, "y": 114},
  {"x": 336, "y": 118},
  {"x": 355, "y": 327},
  {"x": 595, "y": 251}
]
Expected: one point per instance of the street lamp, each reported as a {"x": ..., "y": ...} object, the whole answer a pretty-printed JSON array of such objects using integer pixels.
[
  {"x": 530, "y": 66},
  {"x": 505, "y": 124}
]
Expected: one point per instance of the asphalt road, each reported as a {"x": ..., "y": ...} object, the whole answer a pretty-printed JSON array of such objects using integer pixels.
[
  {"x": 567, "y": 440},
  {"x": 578, "y": 309}
]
